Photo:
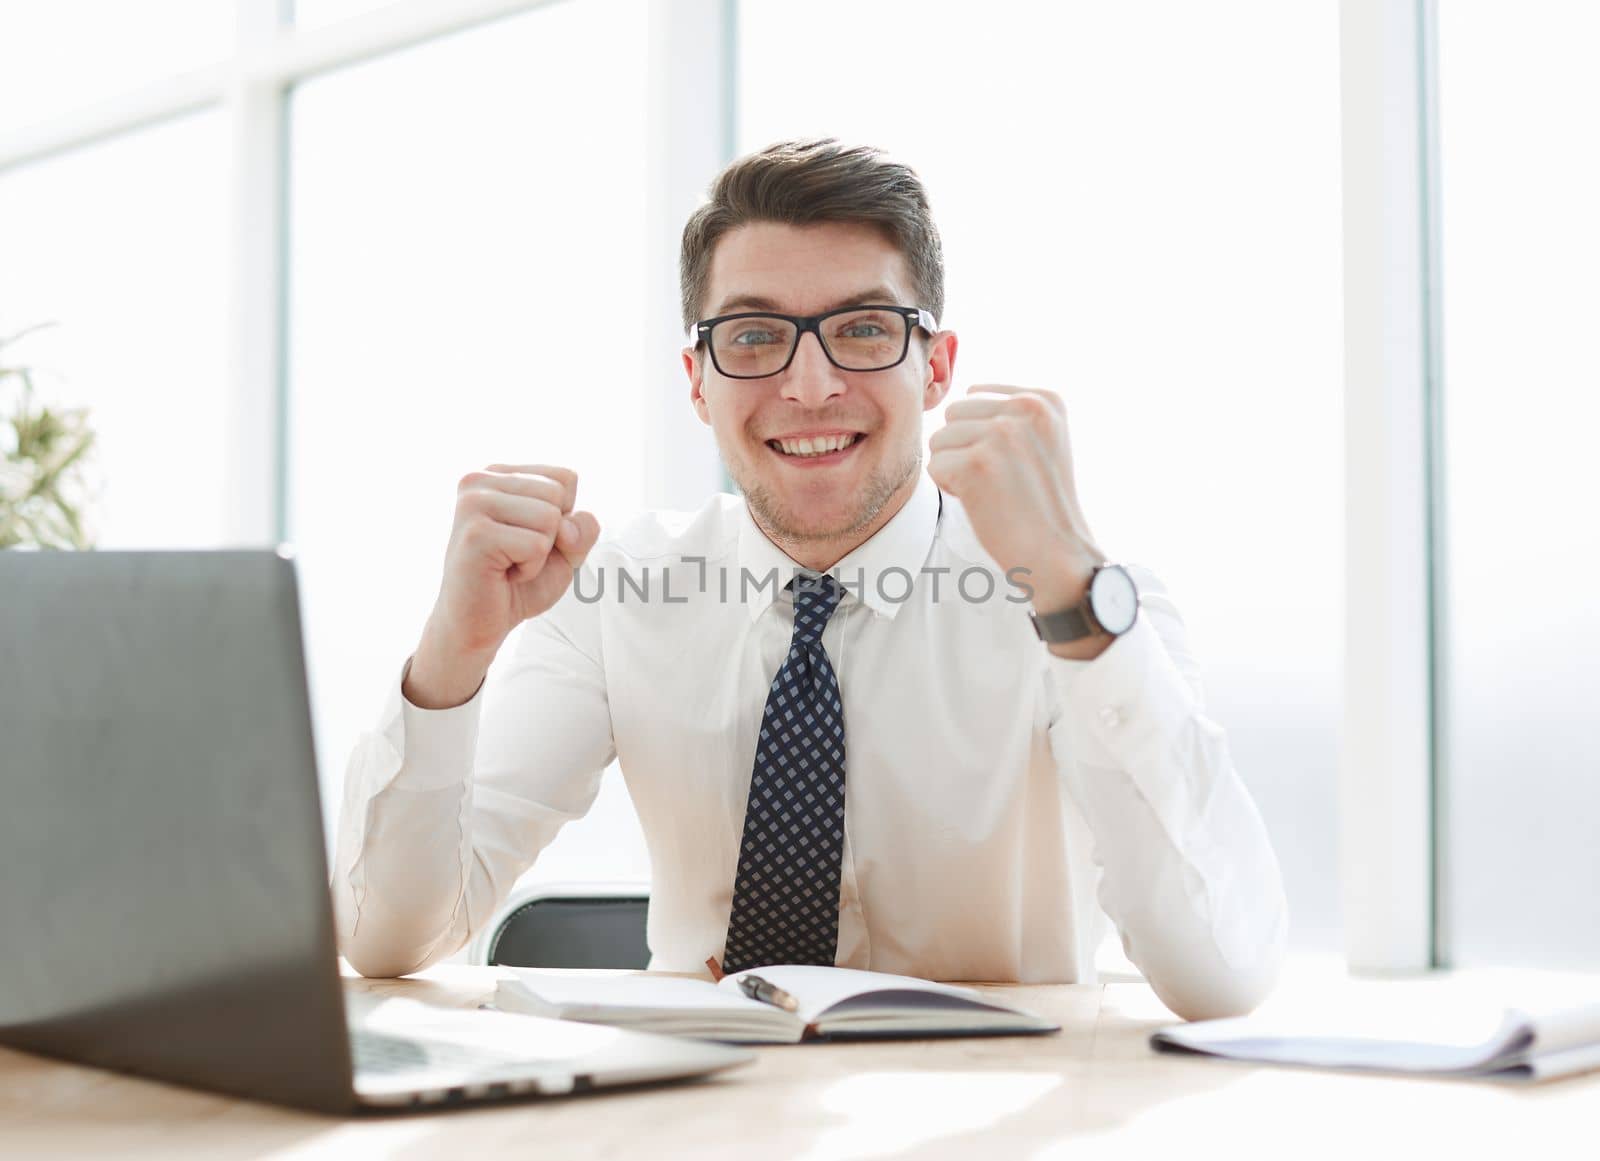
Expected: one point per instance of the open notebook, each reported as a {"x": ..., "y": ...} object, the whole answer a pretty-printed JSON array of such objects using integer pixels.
[
  {"x": 833, "y": 1002},
  {"x": 1524, "y": 1046}
]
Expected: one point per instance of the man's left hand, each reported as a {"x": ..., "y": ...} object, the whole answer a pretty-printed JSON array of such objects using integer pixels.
[{"x": 1004, "y": 453}]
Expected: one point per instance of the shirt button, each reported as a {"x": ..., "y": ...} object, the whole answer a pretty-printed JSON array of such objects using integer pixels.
[{"x": 1111, "y": 716}]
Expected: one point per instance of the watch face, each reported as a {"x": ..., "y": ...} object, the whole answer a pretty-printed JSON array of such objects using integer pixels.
[{"x": 1114, "y": 599}]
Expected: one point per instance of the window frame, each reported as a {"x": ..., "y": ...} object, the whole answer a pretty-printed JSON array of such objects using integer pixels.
[{"x": 1391, "y": 760}]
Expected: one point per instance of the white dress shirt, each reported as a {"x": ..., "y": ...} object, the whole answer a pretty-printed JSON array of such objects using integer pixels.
[{"x": 998, "y": 799}]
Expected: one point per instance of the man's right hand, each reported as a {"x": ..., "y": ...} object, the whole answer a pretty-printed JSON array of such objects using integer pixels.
[{"x": 514, "y": 548}]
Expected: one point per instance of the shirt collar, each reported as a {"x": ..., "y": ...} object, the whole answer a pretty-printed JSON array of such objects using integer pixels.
[{"x": 902, "y": 544}]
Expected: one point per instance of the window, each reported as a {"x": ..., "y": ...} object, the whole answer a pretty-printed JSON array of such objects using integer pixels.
[
  {"x": 455, "y": 210},
  {"x": 1165, "y": 176},
  {"x": 310, "y": 13},
  {"x": 58, "y": 56},
  {"x": 122, "y": 248},
  {"x": 1519, "y": 183},
  {"x": 1166, "y": 179}
]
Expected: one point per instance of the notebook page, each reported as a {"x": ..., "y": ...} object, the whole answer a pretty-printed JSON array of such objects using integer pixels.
[
  {"x": 1550, "y": 1065},
  {"x": 1561, "y": 1029},
  {"x": 820, "y": 988},
  {"x": 1457, "y": 1023},
  {"x": 642, "y": 993},
  {"x": 1246, "y": 1038}
]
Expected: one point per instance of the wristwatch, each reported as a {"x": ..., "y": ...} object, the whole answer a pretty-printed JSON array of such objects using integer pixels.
[{"x": 1112, "y": 606}]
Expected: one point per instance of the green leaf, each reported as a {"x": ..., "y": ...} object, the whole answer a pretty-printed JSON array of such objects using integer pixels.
[{"x": 44, "y": 465}]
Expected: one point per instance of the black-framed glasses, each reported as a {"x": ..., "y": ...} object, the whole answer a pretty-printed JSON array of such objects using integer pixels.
[{"x": 756, "y": 344}]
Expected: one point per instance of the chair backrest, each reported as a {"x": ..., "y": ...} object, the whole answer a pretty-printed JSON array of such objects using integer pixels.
[{"x": 573, "y": 931}]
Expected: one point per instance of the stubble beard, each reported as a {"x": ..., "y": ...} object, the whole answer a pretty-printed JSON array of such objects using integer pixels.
[{"x": 779, "y": 521}]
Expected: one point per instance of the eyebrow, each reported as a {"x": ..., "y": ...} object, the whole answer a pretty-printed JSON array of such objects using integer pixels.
[{"x": 877, "y": 294}]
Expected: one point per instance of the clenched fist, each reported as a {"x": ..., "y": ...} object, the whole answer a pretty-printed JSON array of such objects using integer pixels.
[
  {"x": 1005, "y": 453},
  {"x": 515, "y": 545}
]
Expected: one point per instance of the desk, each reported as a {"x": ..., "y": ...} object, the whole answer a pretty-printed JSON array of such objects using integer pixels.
[{"x": 1093, "y": 1090}]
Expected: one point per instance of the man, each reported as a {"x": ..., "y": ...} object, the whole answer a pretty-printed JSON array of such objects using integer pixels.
[{"x": 876, "y": 761}]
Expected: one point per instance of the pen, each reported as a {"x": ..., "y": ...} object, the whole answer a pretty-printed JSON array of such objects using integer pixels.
[{"x": 759, "y": 989}]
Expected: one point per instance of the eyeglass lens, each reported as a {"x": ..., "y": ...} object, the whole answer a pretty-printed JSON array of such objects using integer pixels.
[{"x": 860, "y": 340}]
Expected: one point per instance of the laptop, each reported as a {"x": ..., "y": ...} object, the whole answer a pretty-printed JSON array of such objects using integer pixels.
[{"x": 164, "y": 894}]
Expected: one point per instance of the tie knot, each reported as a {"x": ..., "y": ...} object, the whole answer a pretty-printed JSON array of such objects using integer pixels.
[{"x": 816, "y": 595}]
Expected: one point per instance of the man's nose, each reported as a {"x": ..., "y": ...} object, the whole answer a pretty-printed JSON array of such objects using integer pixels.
[{"x": 811, "y": 379}]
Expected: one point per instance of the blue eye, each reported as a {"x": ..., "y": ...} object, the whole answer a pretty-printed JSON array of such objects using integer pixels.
[
  {"x": 757, "y": 338},
  {"x": 862, "y": 330}
]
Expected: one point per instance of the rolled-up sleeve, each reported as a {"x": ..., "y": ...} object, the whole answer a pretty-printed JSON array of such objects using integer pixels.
[
  {"x": 1188, "y": 874},
  {"x": 443, "y": 810}
]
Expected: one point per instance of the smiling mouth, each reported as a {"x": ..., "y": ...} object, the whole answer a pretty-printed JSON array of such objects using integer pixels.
[{"x": 815, "y": 448}]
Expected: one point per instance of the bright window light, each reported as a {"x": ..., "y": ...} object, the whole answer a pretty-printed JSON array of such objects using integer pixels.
[
  {"x": 123, "y": 248},
  {"x": 1140, "y": 207},
  {"x": 59, "y": 55},
  {"x": 455, "y": 210},
  {"x": 1519, "y": 183}
]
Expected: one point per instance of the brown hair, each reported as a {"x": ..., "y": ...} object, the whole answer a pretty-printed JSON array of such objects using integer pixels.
[{"x": 803, "y": 183}]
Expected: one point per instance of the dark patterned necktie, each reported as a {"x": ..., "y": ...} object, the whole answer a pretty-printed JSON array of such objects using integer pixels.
[{"x": 786, "y": 891}]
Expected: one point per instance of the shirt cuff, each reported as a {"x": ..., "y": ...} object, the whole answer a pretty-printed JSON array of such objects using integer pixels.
[
  {"x": 434, "y": 747},
  {"x": 1124, "y": 705}
]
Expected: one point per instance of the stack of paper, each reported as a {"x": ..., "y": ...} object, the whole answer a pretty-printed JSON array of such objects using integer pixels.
[{"x": 1526, "y": 1045}]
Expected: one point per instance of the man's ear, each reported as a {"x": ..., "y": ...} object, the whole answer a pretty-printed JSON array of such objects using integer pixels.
[
  {"x": 941, "y": 369},
  {"x": 693, "y": 368}
]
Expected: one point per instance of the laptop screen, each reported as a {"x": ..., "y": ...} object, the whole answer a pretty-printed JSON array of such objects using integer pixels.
[{"x": 163, "y": 882}]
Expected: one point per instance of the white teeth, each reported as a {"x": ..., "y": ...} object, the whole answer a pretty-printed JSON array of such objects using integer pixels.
[{"x": 815, "y": 447}]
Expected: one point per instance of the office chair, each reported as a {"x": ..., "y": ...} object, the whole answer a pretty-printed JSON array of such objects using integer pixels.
[{"x": 568, "y": 925}]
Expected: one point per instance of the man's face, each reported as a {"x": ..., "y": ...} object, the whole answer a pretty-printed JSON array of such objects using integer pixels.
[{"x": 804, "y": 270}]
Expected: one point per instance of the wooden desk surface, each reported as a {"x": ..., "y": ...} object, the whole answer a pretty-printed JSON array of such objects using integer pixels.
[{"x": 1095, "y": 1089}]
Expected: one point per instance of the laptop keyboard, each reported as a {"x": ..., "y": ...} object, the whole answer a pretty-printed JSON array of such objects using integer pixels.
[{"x": 377, "y": 1054}]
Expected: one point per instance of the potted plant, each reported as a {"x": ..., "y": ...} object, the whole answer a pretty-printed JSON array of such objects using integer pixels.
[{"x": 44, "y": 456}]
